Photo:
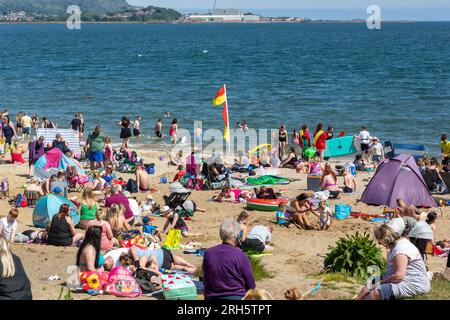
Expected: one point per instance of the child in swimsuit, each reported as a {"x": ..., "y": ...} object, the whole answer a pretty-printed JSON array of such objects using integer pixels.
[{"x": 325, "y": 214}]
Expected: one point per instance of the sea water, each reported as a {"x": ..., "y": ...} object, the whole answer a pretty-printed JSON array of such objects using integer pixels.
[{"x": 395, "y": 81}]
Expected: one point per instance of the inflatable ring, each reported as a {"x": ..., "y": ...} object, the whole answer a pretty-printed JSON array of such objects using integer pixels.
[{"x": 265, "y": 204}]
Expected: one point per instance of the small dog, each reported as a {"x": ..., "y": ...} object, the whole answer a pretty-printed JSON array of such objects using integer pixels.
[{"x": 293, "y": 294}]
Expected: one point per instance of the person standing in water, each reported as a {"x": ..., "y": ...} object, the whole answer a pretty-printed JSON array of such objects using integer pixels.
[
  {"x": 137, "y": 127},
  {"x": 125, "y": 131},
  {"x": 174, "y": 131},
  {"x": 364, "y": 140},
  {"x": 158, "y": 128}
]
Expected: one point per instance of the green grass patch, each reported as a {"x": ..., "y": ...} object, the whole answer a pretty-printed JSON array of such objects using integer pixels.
[
  {"x": 330, "y": 286},
  {"x": 259, "y": 270},
  {"x": 440, "y": 290},
  {"x": 336, "y": 277}
]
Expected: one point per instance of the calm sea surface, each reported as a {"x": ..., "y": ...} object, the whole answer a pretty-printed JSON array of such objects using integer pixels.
[{"x": 396, "y": 81}]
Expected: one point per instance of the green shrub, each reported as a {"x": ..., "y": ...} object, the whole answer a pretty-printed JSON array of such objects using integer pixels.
[
  {"x": 259, "y": 270},
  {"x": 353, "y": 255}
]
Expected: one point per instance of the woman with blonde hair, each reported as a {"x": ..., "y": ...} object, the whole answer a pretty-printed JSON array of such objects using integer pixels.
[
  {"x": 88, "y": 208},
  {"x": 116, "y": 218},
  {"x": 406, "y": 274},
  {"x": 108, "y": 240},
  {"x": 329, "y": 181},
  {"x": 98, "y": 185},
  {"x": 14, "y": 282}
]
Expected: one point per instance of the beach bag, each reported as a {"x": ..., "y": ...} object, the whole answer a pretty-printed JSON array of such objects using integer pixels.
[
  {"x": 122, "y": 284},
  {"x": 173, "y": 240},
  {"x": 342, "y": 211},
  {"x": 21, "y": 201},
  {"x": 132, "y": 186},
  {"x": 178, "y": 287},
  {"x": 93, "y": 282},
  {"x": 148, "y": 281}
]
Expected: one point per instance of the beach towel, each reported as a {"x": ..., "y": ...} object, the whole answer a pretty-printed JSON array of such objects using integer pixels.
[
  {"x": 178, "y": 287},
  {"x": 93, "y": 282},
  {"x": 53, "y": 158},
  {"x": 122, "y": 284},
  {"x": 267, "y": 180},
  {"x": 137, "y": 241}
]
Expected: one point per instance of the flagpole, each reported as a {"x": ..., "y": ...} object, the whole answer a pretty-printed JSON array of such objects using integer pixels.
[{"x": 228, "y": 118}]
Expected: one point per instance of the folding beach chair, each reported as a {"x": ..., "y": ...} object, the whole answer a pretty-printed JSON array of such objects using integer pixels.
[
  {"x": 210, "y": 182},
  {"x": 176, "y": 199}
]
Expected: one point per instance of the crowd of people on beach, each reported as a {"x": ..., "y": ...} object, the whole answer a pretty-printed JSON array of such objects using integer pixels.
[{"x": 112, "y": 229}]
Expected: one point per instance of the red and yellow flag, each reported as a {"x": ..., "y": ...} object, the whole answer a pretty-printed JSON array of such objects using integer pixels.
[{"x": 221, "y": 98}]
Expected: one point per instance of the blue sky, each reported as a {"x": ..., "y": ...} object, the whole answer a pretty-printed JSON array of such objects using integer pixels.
[{"x": 330, "y": 9}]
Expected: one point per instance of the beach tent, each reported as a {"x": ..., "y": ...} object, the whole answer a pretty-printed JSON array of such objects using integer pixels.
[
  {"x": 69, "y": 135},
  {"x": 395, "y": 178},
  {"x": 53, "y": 161},
  {"x": 48, "y": 206}
]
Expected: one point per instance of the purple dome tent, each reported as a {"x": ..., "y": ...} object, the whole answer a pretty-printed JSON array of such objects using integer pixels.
[{"x": 398, "y": 178}]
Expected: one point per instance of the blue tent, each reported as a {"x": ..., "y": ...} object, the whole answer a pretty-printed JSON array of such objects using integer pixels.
[{"x": 48, "y": 206}]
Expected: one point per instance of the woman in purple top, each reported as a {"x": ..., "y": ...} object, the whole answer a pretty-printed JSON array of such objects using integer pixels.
[
  {"x": 227, "y": 273},
  {"x": 36, "y": 150}
]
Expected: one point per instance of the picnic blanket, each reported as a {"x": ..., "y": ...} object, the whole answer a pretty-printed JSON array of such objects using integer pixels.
[{"x": 267, "y": 180}]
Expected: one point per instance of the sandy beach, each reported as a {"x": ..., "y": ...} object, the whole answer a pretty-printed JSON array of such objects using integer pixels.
[{"x": 297, "y": 257}]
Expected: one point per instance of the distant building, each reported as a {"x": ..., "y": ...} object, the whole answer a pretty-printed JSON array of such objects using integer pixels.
[{"x": 224, "y": 15}]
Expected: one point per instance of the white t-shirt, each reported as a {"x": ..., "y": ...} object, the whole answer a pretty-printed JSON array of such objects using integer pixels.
[
  {"x": 7, "y": 227},
  {"x": 364, "y": 137},
  {"x": 376, "y": 149},
  {"x": 134, "y": 206},
  {"x": 115, "y": 255},
  {"x": 261, "y": 233}
]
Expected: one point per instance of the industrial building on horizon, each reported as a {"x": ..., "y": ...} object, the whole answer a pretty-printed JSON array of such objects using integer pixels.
[{"x": 224, "y": 15}]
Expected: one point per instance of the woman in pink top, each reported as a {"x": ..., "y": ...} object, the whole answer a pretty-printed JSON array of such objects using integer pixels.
[
  {"x": 109, "y": 157},
  {"x": 108, "y": 240}
]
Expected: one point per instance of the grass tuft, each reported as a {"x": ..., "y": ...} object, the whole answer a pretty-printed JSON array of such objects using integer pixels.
[
  {"x": 440, "y": 290},
  {"x": 259, "y": 270}
]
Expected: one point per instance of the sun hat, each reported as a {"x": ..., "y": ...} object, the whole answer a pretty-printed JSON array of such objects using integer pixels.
[
  {"x": 398, "y": 225},
  {"x": 165, "y": 210}
]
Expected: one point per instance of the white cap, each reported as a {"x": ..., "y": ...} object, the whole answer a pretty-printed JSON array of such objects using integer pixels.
[{"x": 398, "y": 225}]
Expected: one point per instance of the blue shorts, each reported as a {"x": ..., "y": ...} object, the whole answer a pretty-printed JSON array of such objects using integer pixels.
[
  {"x": 27, "y": 131},
  {"x": 96, "y": 156},
  {"x": 386, "y": 292}
]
